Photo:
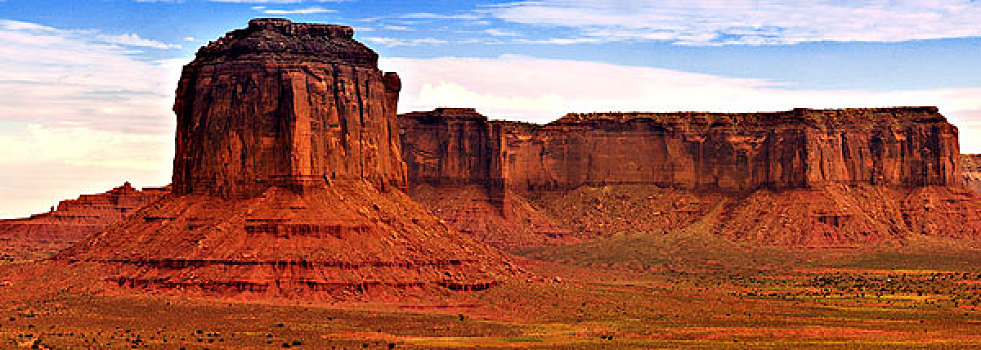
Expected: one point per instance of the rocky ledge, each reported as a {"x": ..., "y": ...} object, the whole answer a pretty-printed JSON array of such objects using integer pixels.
[{"x": 281, "y": 38}]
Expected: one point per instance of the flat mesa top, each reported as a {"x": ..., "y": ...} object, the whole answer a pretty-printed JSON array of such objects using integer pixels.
[
  {"x": 282, "y": 39},
  {"x": 444, "y": 113},
  {"x": 832, "y": 117}
]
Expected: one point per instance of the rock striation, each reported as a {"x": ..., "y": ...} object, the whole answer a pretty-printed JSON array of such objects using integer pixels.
[
  {"x": 738, "y": 152},
  {"x": 455, "y": 164},
  {"x": 286, "y": 182},
  {"x": 41, "y": 235},
  {"x": 285, "y": 104},
  {"x": 908, "y": 146},
  {"x": 802, "y": 152},
  {"x": 454, "y": 147}
]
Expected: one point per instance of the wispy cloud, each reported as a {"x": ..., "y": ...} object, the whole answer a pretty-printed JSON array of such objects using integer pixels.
[
  {"x": 394, "y": 42},
  {"x": 500, "y": 32},
  {"x": 308, "y": 10},
  {"x": 751, "y": 22},
  {"x": 430, "y": 15},
  {"x": 135, "y": 40},
  {"x": 396, "y": 28}
]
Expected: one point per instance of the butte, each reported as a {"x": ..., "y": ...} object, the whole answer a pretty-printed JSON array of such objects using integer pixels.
[{"x": 288, "y": 182}]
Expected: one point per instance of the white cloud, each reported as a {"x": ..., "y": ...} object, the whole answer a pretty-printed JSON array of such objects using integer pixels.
[
  {"x": 79, "y": 111},
  {"x": 751, "y": 22},
  {"x": 542, "y": 90},
  {"x": 396, "y": 28},
  {"x": 394, "y": 42},
  {"x": 430, "y": 15},
  {"x": 135, "y": 40},
  {"x": 499, "y": 32},
  {"x": 304, "y": 11}
]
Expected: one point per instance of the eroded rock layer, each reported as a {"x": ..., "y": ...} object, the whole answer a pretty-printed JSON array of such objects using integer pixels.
[
  {"x": 287, "y": 182},
  {"x": 44, "y": 234},
  {"x": 344, "y": 240},
  {"x": 911, "y": 146},
  {"x": 887, "y": 154},
  {"x": 280, "y": 103},
  {"x": 738, "y": 152},
  {"x": 971, "y": 171}
]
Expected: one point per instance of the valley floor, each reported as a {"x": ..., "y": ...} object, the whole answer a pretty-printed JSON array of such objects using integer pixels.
[{"x": 643, "y": 290}]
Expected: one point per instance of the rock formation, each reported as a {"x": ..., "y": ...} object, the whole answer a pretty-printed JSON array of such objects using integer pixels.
[
  {"x": 44, "y": 234},
  {"x": 971, "y": 171},
  {"x": 454, "y": 147},
  {"x": 738, "y": 152},
  {"x": 285, "y": 104},
  {"x": 778, "y": 155},
  {"x": 454, "y": 158},
  {"x": 286, "y": 182}
]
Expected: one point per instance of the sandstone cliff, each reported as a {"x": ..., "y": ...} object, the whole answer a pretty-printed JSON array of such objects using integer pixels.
[
  {"x": 283, "y": 103},
  {"x": 971, "y": 171},
  {"x": 44, "y": 234},
  {"x": 737, "y": 152},
  {"x": 454, "y": 147},
  {"x": 893, "y": 157},
  {"x": 286, "y": 182},
  {"x": 454, "y": 158},
  {"x": 912, "y": 147}
]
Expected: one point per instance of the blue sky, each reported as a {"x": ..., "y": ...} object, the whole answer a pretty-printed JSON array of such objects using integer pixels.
[{"x": 87, "y": 85}]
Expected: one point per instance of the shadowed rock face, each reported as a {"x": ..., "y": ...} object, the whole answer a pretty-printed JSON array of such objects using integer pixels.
[
  {"x": 971, "y": 171},
  {"x": 285, "y": 182},
  {"x": 285, "y": 104},
  {"x": 454, "y": 147}
]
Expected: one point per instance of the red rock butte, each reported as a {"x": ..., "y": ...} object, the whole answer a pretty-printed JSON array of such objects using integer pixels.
[
  {"x": 287, "y": 182},
  {"x": 285, "y": 104}
]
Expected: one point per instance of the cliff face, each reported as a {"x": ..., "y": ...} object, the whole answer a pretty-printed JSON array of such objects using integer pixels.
[
  {"x": 454, "y": 158},
  {"x": 286, "y": 166},
  {"x": 812, "y": 152},
  {"x": 737, "y": 152},
  {"x": 802, "y": 148},
  {"x": 971, "y": 171},
  {"x": 285, "y": 104},
  {"x": 454, "y": 147},
  {"x": 73, "y": 219}
]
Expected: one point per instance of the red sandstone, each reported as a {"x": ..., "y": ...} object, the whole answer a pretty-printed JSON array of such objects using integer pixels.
[
  {"x": 971, "y": 171},
  {"x": 46, "y": 233},
  {"x": 286, "y": 182},
  {"x": 799, "y": 163}
]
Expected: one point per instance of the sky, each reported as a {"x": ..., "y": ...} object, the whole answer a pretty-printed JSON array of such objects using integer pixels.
[{"x": 86, "y": 86}]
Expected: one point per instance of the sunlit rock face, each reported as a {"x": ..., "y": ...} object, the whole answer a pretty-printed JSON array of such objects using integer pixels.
[
  {"x": 287, "y": 183},
  {"x": 739, "y": 152},
  {"x": 42, "y": 235},
  {"x": 802, "y": 177},
  {"x": 285, "y": 104},
  {"x": 909, "y": 146}
]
